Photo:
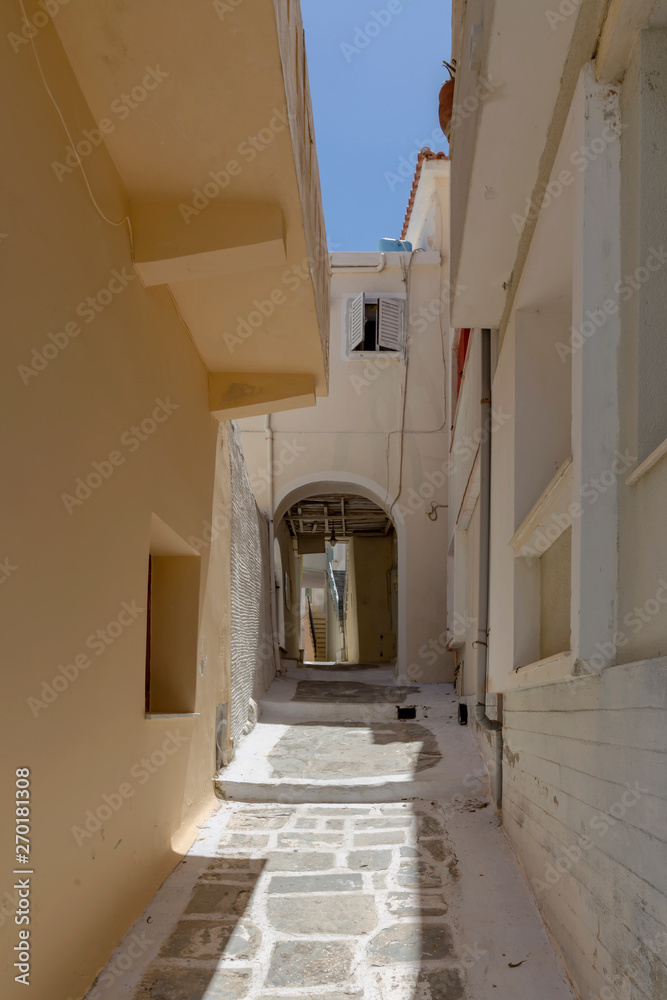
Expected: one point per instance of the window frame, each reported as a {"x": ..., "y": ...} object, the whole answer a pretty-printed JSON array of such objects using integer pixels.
[{"x": 350, "y": 354}]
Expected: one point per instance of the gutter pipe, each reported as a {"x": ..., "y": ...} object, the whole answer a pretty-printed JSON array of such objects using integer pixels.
[{"x": 481, "y": 717}]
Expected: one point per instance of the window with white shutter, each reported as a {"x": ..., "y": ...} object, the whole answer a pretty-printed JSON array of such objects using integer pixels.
[
  {"x": 355, "y": 323},
  {"x": 390, "y": 324},
  {"x": 374, "y": 323}
]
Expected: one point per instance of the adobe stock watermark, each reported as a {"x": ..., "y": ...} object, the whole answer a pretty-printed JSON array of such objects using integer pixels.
[
  {"x": 248, "y": 150},
  {"x": 88, "y": 310},
  {"x": 291, "y": 279},
  {"x": 418, "y": 323},
  {"x": 618, "y": 985},
  {"x": 136, "y": 947},
  {"x": 30, "y": 27},
  {"x": 465, "y": 449},
  {"x": 224, "y": 7},
  {"x": 431, "y": 650},
  {"x": 635, "y": 620},
  {"x": 97, "y": 642},
  {"x": 131, "y": 440},
  {"x": 624, "y": 289},
  {"x": 566, "y": 9},
  {"x": 581, "y": 160},
  {"x": 7, "y": 569},
  {"x": 599, "y": 825},
  {"x": 591, "y": 491},
  {"x": 288, "y": 453},
  {"x": 210, "y": 531},
  {"x": 141, "y": 772},
  {"x": 364, "y": 34},
  {"x": 119, "y": 109}
]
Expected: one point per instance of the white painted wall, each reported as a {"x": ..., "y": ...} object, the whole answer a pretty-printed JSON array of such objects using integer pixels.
[{"x": 353, "y": 439}]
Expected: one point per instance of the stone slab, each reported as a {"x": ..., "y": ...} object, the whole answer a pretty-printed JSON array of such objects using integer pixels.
[
  {"x": 371, "y": 861},
  {"x": 418, "y": 875},
  {"x": 409, "y": 904},
  {"x": 174, "y": 983},
  {"x": 212, "y": 940},
  {"x": 353, "y": 913},
  {"x": 300, "y": 861},
  {"x": 309, "y": 963},
  {"x": 284, "y": 884},
  {"x": 309, "y": 839},
  {"x": 379, "y": 838},
  {"x": 214, "y": 897},
  {"x": 383, "y": 822},
  {"x": 260, "y": 820},
  {"x": 353, "y": 750},
  {"x": 411, "y": 943},
  {"x": 353, "y": 691},
  {"x": 248, "y": 841}
]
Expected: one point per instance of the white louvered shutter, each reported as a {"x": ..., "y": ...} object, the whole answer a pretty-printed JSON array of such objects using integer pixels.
[
  {"x": 390, "y": 324},
  {"x": 355, "y": 322}
]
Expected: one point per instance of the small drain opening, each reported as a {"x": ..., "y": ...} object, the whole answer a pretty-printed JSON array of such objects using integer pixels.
[
  {"x": 463, "y": 714},
  {"x": 409, "y": 712}
]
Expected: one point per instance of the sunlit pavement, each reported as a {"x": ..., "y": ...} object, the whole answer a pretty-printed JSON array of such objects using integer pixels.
[{"x": 416, "y": 899}]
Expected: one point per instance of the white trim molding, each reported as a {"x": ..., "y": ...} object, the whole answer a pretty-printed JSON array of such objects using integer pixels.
[{"x": 548, "y": 518}]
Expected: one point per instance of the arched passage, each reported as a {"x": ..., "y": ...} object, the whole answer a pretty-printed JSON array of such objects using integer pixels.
[{"x": 333, "y": 484}]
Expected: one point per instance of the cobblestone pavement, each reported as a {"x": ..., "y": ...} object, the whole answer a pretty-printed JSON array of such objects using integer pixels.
[
  {"x": 332, "y": 899},
  {"x": 387, "y": 894}
]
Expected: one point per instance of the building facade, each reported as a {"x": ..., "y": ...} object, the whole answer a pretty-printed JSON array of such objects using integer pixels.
[
  {"x": 555, "y": 550},
  {"x": 144, "y": 221}
]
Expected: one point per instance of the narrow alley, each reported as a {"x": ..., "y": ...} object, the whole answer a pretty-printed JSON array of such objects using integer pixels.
[
  {"x": 333, "y": 579},
  {"x": 353, "y": 856}
]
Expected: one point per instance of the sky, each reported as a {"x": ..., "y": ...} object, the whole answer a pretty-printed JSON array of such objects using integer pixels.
[{"x": 375, "y": 72}]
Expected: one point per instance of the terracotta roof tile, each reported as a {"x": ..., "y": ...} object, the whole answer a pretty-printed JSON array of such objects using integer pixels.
[{"x": 425, "y": 154}]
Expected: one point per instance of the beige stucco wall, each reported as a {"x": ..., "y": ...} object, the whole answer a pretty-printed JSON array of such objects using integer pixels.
[
  {"x": 372, "y": 563},
  {"x": 290, "y": 566},
  {"x": 75, "y": 568}
]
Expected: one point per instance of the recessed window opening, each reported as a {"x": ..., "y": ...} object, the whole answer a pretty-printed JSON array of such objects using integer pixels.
[
  {"x": 172, "y": 603},
  {"x": 374, "y": 323}
]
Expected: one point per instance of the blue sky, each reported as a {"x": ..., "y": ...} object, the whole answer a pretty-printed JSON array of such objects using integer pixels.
[{"x": 375, "y": 103}]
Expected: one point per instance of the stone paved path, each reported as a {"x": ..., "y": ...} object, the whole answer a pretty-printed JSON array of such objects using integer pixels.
[{"x": 416, "y": 899}]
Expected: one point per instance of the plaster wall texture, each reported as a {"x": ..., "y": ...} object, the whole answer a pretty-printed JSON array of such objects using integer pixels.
[
  {"x": 584, "y": 792},
  {"x": 372, "y": 563},
  {"x": 585, "y": 808},
  {"x": 252, "y": 646},
  {"x": 96, "y": 366}
]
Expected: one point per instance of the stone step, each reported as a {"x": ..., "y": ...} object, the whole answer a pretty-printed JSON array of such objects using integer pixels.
[
  {"x": 341, "y": 697},
  {"x": 337, "y": 762}
]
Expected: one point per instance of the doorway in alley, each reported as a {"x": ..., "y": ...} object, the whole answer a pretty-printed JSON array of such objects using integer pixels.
[{"x": 345, "y": 578}]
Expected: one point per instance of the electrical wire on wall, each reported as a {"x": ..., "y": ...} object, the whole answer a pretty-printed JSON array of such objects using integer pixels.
[
  {"x": 401, "y": 430},
  {"x": 99, "y": 211}
]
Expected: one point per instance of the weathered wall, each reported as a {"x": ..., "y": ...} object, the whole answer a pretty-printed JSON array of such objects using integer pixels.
[
  {"x": 291, "y": 567},
  {"x": 81, "y": 729},
  {"x": 252, "y": 645},
  {"x": 372, "y": 563},
  {"x": 585, "y": 807},
  {"x": 642, "y": 597}
]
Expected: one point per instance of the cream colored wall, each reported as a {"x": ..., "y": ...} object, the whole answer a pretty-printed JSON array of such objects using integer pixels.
[
  {"x": 555, "y": 594},
  {"x": 352, "y": 619},
  {"x": 372, "y": 563},
  {"x": 642, "y": 607},
  {"x": 85, "y": 737},
  {"x": 355, "y": 432},
  {"x": 290, "y": 567}
]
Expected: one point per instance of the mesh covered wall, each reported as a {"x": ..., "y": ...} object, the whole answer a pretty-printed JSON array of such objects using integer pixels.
[{"x": 251, "y": 641}]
